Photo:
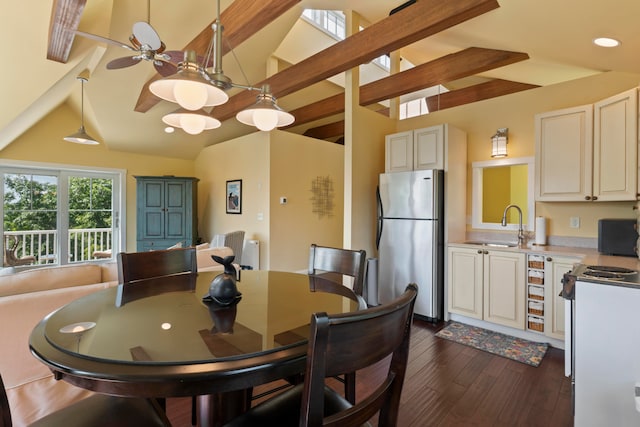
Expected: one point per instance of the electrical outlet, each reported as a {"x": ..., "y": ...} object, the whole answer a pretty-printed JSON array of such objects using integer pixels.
[{"x": 574, "y": 222}]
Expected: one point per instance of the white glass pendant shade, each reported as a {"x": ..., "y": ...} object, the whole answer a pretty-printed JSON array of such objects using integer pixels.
[
  {"x": 265, "y": 119},
  {"x": 192, "y": 122},
  {"x": 188, "y": 95},
  {"x": 188, "y": 87},
  {"x": 265, "y": 114}
]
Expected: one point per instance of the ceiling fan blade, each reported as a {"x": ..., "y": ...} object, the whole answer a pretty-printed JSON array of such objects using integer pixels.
[
  {"x": 165, "y": 69},
  {"x": 123, "y": 62},
  {"x": 145, "y": 34},
  {"x": 104, "y": 39},
  {"x": 172, "y": 56}
]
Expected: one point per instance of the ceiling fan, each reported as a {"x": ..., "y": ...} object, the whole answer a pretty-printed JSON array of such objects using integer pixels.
[{"x": 148, "y": 47}]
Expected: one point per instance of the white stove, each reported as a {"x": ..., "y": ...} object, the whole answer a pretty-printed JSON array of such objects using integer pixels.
[{"x": 602, "y": 330}]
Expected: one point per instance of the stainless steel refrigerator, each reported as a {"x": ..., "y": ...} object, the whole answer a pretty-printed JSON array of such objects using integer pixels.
[{"x": 410, "y": 238}]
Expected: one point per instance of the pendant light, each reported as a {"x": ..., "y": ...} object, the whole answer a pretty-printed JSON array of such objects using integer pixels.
[
  {"x": 188, "y": 87},
  {"x": 265, "y": 113},
  {"x": 81, "y": 137},
  {"x": 193, "y": 87},
  {"x": 192, "y": 122}
]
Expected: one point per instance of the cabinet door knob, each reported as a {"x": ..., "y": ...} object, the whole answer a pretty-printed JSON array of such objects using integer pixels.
[
  {"x": 587, "y": 197},
  {"x": 549, "y": 259},
  {"x": 486, "y": 252},
  {"x": 479, "y": 251},
  {"x": 594, "y": 198}
]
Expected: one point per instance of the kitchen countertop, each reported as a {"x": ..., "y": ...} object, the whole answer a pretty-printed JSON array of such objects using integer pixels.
[{"x": 589, "y": 256}]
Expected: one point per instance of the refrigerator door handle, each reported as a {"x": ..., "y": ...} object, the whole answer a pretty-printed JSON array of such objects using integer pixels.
[{"x": 380, "y": 213}]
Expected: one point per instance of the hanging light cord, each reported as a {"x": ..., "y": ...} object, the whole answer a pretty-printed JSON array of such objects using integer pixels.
[{"x": 82, "y": 80}]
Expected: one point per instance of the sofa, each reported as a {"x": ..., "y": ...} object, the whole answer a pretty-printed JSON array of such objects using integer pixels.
[{"x": 28, "y": 296}]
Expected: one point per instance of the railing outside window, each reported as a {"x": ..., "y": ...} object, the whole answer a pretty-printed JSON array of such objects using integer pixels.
[{"x": 84, "y": 245}]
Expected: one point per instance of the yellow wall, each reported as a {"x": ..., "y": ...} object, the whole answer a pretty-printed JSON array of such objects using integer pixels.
[
  {"x": 297, "y": 162},
  {"x": 367, "y": 165},
  {"x": 496, "y": 193},
  {"x": 481, "y": 119},
  {"x": 43, "y": 143},
  {"x": 272, "y": 165}
]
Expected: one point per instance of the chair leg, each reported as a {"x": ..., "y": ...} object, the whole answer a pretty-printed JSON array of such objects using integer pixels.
[
  {"x": 350, "y": 387},
  {"x": 194, "y": 412}
]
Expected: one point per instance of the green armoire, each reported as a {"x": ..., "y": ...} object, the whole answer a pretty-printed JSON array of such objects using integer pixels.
[{"x": 166, "y": 212}]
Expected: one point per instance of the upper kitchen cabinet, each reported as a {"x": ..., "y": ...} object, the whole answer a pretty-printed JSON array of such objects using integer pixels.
[
  {"x": 398, "y": 152},
  {"x": 424, "y": 148},
  {"x": 615, "y": 147},
  {"x": 588, "y": 152}
]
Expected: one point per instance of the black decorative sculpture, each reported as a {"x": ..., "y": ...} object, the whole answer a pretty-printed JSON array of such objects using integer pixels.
[{"x": 223, "y": 290}]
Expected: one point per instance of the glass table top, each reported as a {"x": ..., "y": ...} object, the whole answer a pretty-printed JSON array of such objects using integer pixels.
[{"x": 178, "y": 327}]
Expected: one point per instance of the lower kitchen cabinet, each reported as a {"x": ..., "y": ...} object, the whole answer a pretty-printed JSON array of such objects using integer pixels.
[
  {"x": 554, "y": 269},
  {"x": 487, "y": 284}
]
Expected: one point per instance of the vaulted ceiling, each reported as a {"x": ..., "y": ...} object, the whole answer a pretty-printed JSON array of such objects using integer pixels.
[{"x": 478, "y": 49}]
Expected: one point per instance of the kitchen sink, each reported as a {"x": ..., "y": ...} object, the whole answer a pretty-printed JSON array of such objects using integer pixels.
[{"x": 493, "y": 244}]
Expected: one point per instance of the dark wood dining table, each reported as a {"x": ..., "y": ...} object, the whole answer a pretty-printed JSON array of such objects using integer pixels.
[{"x": 177, "y": 344}]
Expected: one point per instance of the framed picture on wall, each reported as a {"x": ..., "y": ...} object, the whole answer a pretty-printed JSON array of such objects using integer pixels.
[{"x": 234, "y": 196}]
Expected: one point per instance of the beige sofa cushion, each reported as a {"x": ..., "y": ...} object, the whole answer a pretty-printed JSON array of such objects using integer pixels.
[
  {"x": 109, "y": 271},
  {"x": 206, "y": 263},
  {"x": 43, "y": 278},
  {"x": 30, "y": 385}
]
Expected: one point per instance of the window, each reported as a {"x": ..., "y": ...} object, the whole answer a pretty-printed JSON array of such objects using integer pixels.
[{"x": 59, "y": 216}]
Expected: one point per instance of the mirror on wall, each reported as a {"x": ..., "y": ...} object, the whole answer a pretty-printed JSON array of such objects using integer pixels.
[{"x": 497, "y": 184}]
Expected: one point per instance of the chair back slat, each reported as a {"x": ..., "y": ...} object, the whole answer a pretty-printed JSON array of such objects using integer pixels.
[
  {"x": 346, "y": 342},
  {"x": 142, "y": 274},
  {"x": 343, "y": 261}
]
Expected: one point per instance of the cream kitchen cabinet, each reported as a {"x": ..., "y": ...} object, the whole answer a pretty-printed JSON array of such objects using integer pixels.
[
  {"x": 487, "y": 284},
  {"x": 554, "y": 269},
  {"x": 424, "y": 148},
  {"x": 588, "y": 152}
]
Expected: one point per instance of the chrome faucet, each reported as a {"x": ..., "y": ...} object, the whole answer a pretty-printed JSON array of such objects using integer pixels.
[{"x": 521, "y": 236}]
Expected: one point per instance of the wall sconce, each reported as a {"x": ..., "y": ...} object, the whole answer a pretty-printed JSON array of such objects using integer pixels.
[{"x": 499, "y": 143}]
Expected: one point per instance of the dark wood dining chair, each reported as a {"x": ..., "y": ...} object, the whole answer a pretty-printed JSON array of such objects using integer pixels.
[
  {"x": 345, "y": 343},
  {"x": 334, "y": 262},
  {"x": 324, "y": 259},
  {"x": 99, "y": 410},
  {"x": 142, "y": 274}
]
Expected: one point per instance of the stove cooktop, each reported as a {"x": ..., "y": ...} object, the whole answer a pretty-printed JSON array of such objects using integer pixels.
[
  {"x": 598, "y": 274},
  {"x": 606, "y": 274}
]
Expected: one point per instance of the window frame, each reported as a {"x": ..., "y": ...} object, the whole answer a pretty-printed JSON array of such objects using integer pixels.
[{"x": 63, "y": 172}]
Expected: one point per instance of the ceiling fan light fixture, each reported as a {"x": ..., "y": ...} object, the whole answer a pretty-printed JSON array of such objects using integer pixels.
[
  {"x": 265, "y": 113},
  {"x": 188, "y": 88},
  {"x": 81, "y": 137},
  {"x": 192, "y": 122}
]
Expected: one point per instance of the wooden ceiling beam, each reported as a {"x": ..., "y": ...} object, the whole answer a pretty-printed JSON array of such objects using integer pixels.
[
  {"x": 479, "y": 92},
  {"x": 451, "y": 67},
  {"x": 318, "y": 110},
  {"x": 468, "y": 62},
  {"x": 241, "y": 19},
  {"x": 416, "y": 22},
  {"x": 65, "y": 18},
  {"x": 327, "y": 131}
]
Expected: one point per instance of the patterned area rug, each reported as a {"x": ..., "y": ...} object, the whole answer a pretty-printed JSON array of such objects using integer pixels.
[{"x": 513, "y": 348}]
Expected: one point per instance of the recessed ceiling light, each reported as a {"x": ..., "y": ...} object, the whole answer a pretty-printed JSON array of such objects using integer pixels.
[
  {"x": 169, "y": 129},
  {"x": 606, "y": 42}
]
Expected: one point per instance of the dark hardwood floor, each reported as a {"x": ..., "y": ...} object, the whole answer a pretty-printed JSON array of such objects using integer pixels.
[{"x": 449, "y": 384}]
